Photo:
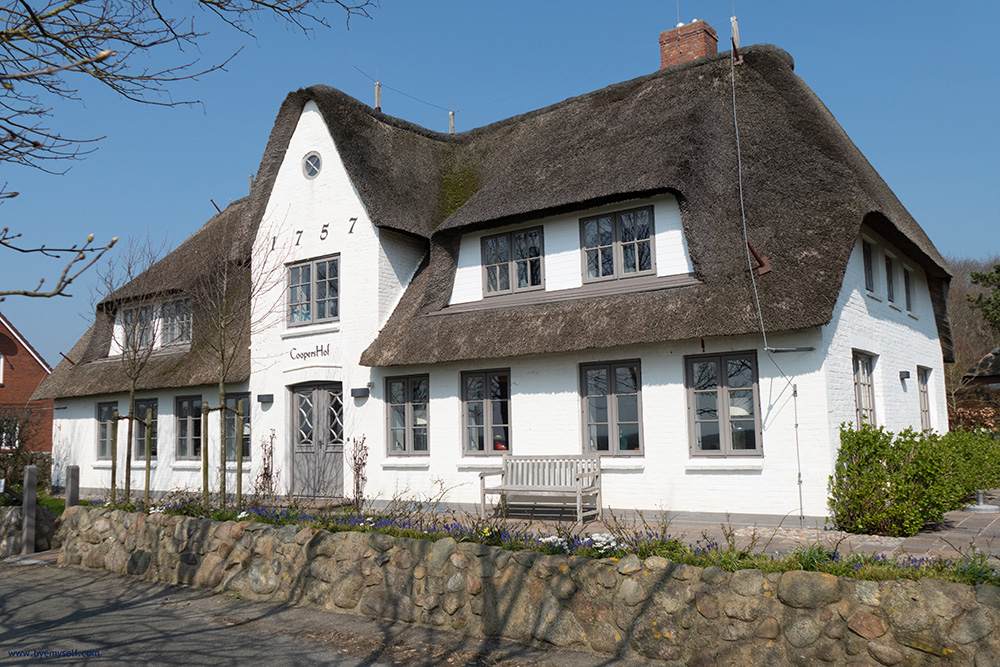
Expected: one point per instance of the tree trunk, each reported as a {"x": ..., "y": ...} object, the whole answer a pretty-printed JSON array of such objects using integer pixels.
[
  {"x": 222, "y": 443},
  {"x": 128, "y": 445}
]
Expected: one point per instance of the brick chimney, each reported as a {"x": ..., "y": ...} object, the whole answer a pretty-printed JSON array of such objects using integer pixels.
[{"x": 687, "y": 42}]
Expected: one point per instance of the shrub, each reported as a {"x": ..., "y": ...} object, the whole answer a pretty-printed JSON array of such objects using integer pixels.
[{"x": 896, "y": 484}]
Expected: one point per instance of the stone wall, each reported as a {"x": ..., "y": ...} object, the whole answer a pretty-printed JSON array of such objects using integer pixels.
[
  {"x": 10, "y": 530},
  {"x": 652, "y": 607}
]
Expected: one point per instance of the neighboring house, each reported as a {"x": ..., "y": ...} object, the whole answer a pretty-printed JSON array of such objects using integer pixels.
[
  {"x": 22, "y": 369},
  {"x": 986, "y": 373},
  {"x": 576, "y": 279}
]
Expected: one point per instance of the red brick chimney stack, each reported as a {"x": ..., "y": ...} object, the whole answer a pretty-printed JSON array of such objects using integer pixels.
[{"x": 687, "y": 42}]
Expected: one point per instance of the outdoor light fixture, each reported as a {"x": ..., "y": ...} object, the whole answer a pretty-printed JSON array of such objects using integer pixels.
[
  {"x": 360, "y": 392},
  {"x": 904, "y": 375},
  {"x": 265, "y": 398}
]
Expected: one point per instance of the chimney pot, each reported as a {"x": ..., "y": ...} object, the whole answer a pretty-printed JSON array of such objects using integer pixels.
[{"x": 687, "y": 42}]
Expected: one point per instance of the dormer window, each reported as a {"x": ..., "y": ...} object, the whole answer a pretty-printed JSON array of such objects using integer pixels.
[
  {"x": 617, "y": 245},
  {"x": 176, "y": 322},
  {"x": 137, "y": 328},
  {"x": 512, "y": 262}
]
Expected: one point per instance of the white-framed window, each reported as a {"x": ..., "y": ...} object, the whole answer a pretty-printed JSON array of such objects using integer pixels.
[
  {"x": 512, "y": 262},
  {"x": 864, "y": 388},
  {"x": 612, "y": 408},
  {"x": 3, "y": 364},
  {"x": 408, "y": 414},
  {"x": 188, "y": 427},
  {"x": 486, "y": 412},
  {"x": 176, "y": 322},
  {"x": 724, "y": 405},
  {"x": 314, "y": 291},
  {"x": 105, "y": 425},
  {"x": 617, "y": 245},
  {"x": 312, "y": 164},
  {"x": 923, "y": 380}
]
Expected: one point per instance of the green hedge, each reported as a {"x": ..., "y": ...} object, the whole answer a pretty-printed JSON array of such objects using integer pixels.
[{"x": 886, "y": 484}]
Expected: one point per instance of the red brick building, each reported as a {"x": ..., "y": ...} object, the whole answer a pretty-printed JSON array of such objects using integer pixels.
[{"x": 22, "y": 369}]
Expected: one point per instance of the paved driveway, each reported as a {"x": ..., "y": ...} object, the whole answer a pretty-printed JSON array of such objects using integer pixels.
[{"x": 72, "y": 612}]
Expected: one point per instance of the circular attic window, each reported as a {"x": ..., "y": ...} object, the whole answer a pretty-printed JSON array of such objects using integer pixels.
[{"x": 311, "y": 164}]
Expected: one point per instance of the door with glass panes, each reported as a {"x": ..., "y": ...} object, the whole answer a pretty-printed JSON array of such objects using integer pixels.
[{"x": 318, "y": 440}]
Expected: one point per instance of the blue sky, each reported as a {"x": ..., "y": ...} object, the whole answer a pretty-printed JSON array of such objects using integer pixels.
[{"x": 916, "y": 90}]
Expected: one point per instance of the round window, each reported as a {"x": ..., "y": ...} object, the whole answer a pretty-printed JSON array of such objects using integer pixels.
[{"x": 311, "y": 164}]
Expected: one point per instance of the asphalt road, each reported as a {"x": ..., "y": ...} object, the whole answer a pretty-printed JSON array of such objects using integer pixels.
[{"x": 70, "y": 611}]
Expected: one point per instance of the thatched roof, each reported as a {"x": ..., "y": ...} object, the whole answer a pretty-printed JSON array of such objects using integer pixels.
[
  {"x": 90, "y": 371},
  {"x": 808, "y": 191},
  {"x": 986, "y": 369}
]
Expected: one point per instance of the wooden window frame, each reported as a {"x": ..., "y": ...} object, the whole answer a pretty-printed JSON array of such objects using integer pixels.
[
  {"x": 175, "y": 322},
  {"x": 617, "y": 245},
  {"x": 409, "y": 427},
  {"x": 864, "y": 388},
  {"x": 612, "y": 408},
  {"x": 138, "y": 437},
  {"x": 512, "y": 262},
  {"x": 110, "y": 423},
  {"x": 194, "y": 420},
  {"x": 890, "y": 278},
  {"x": 725, "y": 418},
  {"x": 312, "y": 283},
  {"x": 488, "y": 424},
  {"x": 233, "y": 401},
  {"x": 868, "y": 259},
  {"x": 147, "y": 331},
  {"x": 923, "y": 391},
  {"x": 908, "y": 289}
]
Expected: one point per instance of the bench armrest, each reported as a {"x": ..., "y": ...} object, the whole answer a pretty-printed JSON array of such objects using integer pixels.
[
  {"x": 590, "y": 473},
  {"x": 487, "y": 473}
]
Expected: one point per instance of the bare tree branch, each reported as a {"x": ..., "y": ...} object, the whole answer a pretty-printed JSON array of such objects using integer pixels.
[
  {"x": 82, "y": 258},
  {"x": 48, "y": 45}
]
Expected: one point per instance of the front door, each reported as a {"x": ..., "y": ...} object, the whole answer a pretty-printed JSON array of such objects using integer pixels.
[{"x": 318, "y": 440}]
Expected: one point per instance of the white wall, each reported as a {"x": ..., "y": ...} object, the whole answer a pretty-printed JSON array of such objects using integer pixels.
[
  {"x": 332, "y": 219},
  {"x": 75, "y": 443},
  {"x": 546, "y": 419},
  {"x": 899, "y": 341},
  {"x": 563, "y": 260}
]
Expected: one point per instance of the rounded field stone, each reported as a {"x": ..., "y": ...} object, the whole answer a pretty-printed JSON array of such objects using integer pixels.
[{"x": 808, "y": 590}]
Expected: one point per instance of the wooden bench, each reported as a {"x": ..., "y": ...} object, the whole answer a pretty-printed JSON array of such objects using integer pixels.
[{"x": 573, "y": 476}]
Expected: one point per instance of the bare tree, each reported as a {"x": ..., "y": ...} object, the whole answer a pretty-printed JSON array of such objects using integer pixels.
[
  {"x": 49, "y": 47},
  {"x": 971, "y": 333},
  {"x": 227, "y": 302},
  {"x": 129, "y": 313},
  {"x": 19, "y": 427}
]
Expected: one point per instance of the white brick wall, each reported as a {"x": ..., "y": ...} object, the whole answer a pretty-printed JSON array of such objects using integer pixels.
[
  {"x": 398, "y": 259},
  {"x": 899, "y": 341}
]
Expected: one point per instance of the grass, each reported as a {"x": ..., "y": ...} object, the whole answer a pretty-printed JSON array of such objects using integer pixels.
[{"x": 414, "y": 520}]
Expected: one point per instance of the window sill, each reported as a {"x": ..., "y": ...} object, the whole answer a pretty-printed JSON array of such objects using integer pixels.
[
  {"x": 895, "y": 307},
  {"x": 871, "y": 295},
  {"x": 724, "y": 465},
  {"x": 912, "y": 316},
  {"x": 137, "y": 466},
  {"x": 402, "y": 464},
  {"x": 302, "y": 330},
  {"x": 631, "y": 463},
  {"x": 485, "y": 464},
  {"x": 102, "y": 465},
  {"x": 186, "y": 465}
]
